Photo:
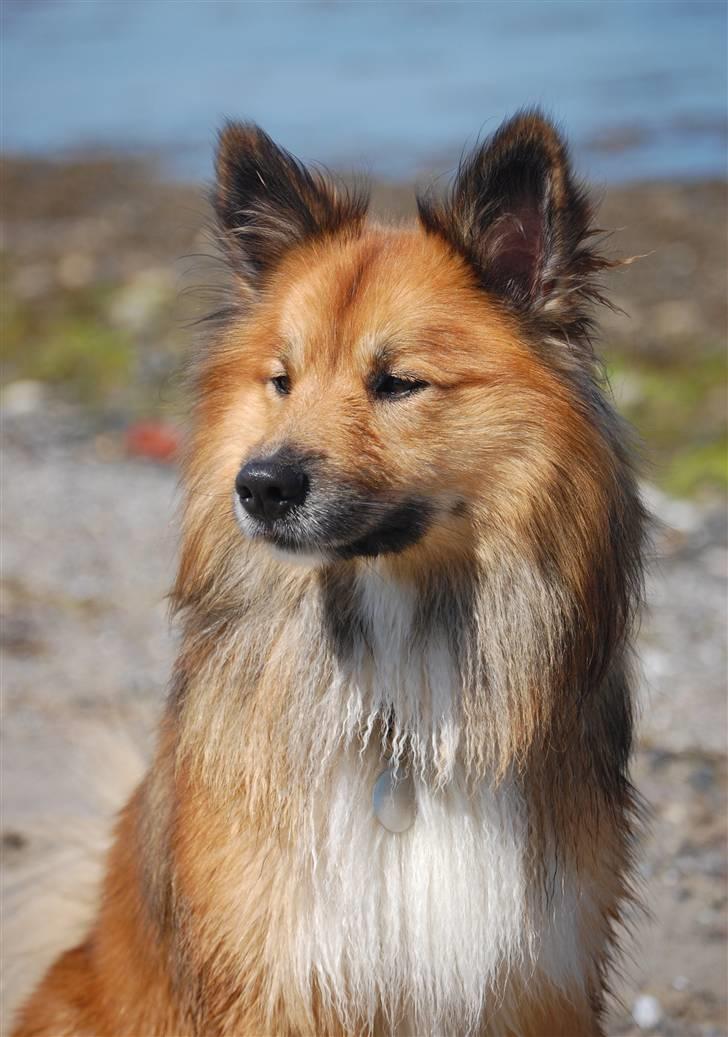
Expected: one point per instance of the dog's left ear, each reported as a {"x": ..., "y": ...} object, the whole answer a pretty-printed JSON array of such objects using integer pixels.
[
  {"x": 267, "y": 202},
  {"x": 519, "y": 218}
]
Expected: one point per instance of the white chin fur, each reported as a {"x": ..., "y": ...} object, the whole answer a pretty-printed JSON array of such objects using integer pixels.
[{"x": 301, "y": 559}]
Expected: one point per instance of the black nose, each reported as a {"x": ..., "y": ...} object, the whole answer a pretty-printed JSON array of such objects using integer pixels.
[{"x": 268, "y": 489}]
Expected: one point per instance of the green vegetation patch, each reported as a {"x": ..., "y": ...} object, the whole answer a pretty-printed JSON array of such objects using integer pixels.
[
  {"x": 680, "y": 411},
  {"x": 65, "y": 339},
  {"x": 89, "y": 343}
]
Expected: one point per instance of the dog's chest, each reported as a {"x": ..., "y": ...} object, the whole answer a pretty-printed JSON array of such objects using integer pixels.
[
  {"x": 426, "y": 924},
  {"x": 434, "y": 915},
  {"x": 441, "y": 906},
  {"x": 427, "y": 928}
]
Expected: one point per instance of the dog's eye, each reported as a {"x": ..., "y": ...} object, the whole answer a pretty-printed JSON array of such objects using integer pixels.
[
  {"x": 389, "y": 387},
  {"x": 282, "y": 384}
]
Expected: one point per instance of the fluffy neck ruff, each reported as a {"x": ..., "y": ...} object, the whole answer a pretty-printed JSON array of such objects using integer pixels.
[
  {"x": 481, "y": 668},
  {"x": 287, "y": 705}
]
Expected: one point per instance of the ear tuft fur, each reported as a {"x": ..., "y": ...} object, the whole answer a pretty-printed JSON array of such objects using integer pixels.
[
  {"x": 267, "y": 202},
  {"x": 516, "y": 213}
]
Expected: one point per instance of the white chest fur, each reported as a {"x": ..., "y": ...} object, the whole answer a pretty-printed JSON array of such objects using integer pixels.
[
  {"x": 438, "y": 911},
  {"x": 425, "y": 928},
  {"x": 419, "y": 929}
]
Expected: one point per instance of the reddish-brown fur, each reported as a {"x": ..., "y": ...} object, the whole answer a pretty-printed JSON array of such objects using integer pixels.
[{"x": 514, "y": 424}]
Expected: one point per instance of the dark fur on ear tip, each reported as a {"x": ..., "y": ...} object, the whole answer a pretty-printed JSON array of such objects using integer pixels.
[
  {"x": 266, "y": 201},
  {"x": 519, "y": 217}
]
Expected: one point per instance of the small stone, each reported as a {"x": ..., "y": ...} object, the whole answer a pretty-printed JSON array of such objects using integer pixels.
[
  {"x": 680, "y": 983},
  {"x": 75, "y": 270},
  {"x": 32, "y": 282},
  {"x": 141, "y": 299},
  {"x": 676, "y": 814},
  {"x": 628, "y": 389},
  {"x": 707, "y": 917},
  {"x": 676, "y": 318},
  {"x": 715, "y": 561},
  {"x": 107, "y": 448},
  {"x": 679, "y": 515},
  {"x": 702, "y": 779},
  {"x": 647, "y": 1012},
  {"x": 22, "y": 397},
  {"x": 12, "y": 840}
]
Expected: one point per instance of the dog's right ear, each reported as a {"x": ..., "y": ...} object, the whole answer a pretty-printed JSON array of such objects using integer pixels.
[
  {"x": 267, "y": 202},
  {"x": 522, "y": 221}
]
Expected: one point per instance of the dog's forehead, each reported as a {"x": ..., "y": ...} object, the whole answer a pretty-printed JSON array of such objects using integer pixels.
[{"x": 384, "y": 291}]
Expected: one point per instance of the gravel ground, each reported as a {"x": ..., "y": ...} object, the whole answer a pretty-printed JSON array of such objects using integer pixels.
[{"x": 89, "y": 540}]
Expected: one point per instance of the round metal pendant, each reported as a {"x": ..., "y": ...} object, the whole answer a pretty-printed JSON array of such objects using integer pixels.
[{"x": 394, "y": 801}]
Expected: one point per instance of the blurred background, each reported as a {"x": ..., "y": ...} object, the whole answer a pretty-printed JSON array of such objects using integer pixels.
[{"x": 109, "y": 114}]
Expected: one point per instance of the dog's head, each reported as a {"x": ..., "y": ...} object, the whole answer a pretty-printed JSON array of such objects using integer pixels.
[{"x": 379, "y": 388}]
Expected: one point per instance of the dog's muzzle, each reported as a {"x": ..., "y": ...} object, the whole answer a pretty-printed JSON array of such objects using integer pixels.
[{"x": 296, "y": 503}]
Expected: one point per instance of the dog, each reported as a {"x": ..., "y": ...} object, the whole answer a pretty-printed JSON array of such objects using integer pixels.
[{"x": 390, "y": 794}]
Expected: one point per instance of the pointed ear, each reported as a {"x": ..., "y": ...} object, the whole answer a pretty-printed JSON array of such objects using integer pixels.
[
  {"x": 266, "y": 202},
  {"x": 520, "y": 219}
]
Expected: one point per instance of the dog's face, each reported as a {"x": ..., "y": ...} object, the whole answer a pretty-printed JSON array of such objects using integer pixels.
[{"x": 381, "y": 388}]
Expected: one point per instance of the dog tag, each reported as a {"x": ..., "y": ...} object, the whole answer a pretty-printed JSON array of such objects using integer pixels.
[{"x": 394, "y": 801}]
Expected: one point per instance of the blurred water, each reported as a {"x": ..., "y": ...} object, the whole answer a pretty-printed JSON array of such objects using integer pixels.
[{"x": 399, "y": 87}]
